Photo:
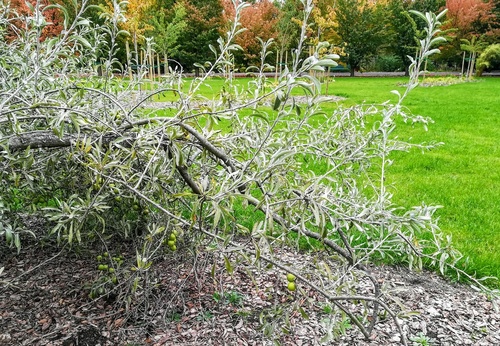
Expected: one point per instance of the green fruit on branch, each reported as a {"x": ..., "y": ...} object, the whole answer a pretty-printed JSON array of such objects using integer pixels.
[
  {"x": 291, "y": 286},
  {"x": 290, "y": 277}
]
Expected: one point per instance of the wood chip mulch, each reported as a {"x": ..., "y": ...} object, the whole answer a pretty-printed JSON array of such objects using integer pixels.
[{"x": 49, "y": 304}]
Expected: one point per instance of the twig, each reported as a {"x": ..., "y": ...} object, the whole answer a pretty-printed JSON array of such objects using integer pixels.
[
  {"x": 10, "y": 282},
  {"x": 334, "y": 299}
]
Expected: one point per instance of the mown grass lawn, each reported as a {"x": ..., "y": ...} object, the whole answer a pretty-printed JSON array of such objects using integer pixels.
[{"x": 462, "y": 175}]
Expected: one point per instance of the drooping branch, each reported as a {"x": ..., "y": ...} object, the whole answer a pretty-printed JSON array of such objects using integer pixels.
[
  {"x": 47, "y": 139},
  {"x": 255, "y": 202},
  {"x": 40, "y": 139},
  {"x": 209, "y": 146},
  {"x": 334, "y": 299},
  {"x": 345, "y": 253}
]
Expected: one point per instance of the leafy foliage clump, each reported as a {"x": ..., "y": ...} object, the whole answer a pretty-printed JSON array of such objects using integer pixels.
[{"x": 489, "y": 57}]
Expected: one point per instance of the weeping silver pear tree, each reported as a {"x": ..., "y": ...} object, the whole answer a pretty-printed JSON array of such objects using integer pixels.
[{"x": 232, "y": 176}]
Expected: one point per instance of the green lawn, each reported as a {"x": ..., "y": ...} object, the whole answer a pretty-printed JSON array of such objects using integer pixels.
[{"x": 463, "y": 175}]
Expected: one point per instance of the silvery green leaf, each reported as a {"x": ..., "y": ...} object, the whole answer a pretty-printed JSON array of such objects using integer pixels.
[
  {"x": 317, "y": 68},
  {"x": 327, "y": 62},
  {"x": 331, "y": 56}
]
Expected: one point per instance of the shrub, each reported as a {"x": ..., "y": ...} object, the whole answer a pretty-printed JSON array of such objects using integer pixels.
[
  {"x": 388, "y": 63},
  {"x": 101, "y": 167},
  {"x": 489, "y": 57}
]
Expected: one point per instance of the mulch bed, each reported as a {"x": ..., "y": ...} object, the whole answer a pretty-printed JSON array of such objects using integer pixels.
[{"x": 44, "y": 300}]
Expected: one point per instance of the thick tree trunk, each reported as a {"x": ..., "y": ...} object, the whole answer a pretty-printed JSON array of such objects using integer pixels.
[{"x": 406, "y": 66}]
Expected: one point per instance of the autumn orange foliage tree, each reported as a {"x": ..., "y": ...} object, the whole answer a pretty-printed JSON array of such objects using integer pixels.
[
  {"x": 53, "y": 16},
  {"x": 470, "y": 17},
  {"x": 469, "y": 21},
  {"x": 260, "y": 19}
]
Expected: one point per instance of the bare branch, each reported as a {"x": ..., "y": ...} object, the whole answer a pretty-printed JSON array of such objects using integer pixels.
[{"x": 40, "y": 139}]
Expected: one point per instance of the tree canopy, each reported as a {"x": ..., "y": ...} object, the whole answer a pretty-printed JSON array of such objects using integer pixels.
[
  {"x": 360, "y": 26},
  {"x": 260, "y": 20},
  {"x": 183, "y": 30}
]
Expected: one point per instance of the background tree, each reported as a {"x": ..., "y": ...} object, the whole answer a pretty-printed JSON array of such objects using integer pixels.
[
  {"x": 204, "y": 21},
  {"x": 288, "y": 26},
  {"x": 495, "y": 26},
  {"x": 429, "y": 5},
  {"x": 260, "y": 21},
  {"x": 322, "y": 26},
  {"x": 489, "y": 58},
  {"x": 470, "y": 17},
  {"x": 51, "y": 15},
  {"x": 168, "y": 26},
  {"x": 360, "y": 27},
  {"x": 136, "y": 20},
  {"x": 474, "y": 47},
  {"x": 467, "y": 18},
  {"x": 403, "y": 31}
]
